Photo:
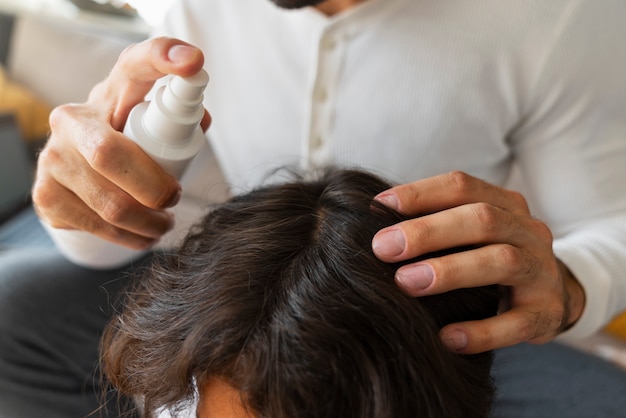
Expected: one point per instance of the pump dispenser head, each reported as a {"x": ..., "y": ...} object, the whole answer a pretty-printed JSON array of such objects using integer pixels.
[
  {"x": 174, "y": 114},
  {"x": 189, "y": 88}
]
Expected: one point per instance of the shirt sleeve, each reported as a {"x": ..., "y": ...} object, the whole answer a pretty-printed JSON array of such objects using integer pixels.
[{"x": 571, "y": 150}]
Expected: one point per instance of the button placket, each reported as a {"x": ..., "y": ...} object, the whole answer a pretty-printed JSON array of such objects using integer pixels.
[{"x": 330, "y": 57}]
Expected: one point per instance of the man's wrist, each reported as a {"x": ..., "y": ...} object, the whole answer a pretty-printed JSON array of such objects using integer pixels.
[{"x": 574, "y": 296}]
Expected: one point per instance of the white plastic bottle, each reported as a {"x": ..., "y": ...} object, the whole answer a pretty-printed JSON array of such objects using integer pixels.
[{"x": 168, "y": 129}]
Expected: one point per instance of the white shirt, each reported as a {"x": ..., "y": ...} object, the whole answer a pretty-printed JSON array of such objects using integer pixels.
[{"x": 410, "y": 89}]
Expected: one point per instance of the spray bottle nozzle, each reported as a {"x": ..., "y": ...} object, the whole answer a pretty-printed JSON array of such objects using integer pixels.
[
  {"x": 176, "y": 110},
  {"x": 189, "y": 88}
]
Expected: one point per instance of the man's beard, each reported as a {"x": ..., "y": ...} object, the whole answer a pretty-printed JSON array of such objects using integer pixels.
[{"x": 295, "y": 4}]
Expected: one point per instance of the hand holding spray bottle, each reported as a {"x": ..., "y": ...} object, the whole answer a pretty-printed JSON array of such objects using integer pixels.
[{"x": 168, "y": 130}]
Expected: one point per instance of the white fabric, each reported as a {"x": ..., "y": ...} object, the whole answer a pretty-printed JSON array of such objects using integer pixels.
[{"x": 410, "y": 89}]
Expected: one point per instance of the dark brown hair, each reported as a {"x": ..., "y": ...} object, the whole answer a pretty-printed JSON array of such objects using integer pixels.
[{"x": 278, "y": 293}]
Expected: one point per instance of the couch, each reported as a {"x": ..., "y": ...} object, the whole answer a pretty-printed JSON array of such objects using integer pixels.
[{"x": 46, "y": 61}]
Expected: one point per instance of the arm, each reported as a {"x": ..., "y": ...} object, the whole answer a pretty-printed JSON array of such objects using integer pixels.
[
  {"x": 572, "y": 154},
  {"x": 571, "y": 147}
]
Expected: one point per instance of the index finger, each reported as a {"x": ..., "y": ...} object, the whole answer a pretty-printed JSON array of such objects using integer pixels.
[
  {"x": 136, "y": 70},
  {"x": 447, "y": 191}
]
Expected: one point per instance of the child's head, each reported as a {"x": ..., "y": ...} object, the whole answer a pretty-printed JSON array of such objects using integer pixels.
[{"x": 276, "y": 298}]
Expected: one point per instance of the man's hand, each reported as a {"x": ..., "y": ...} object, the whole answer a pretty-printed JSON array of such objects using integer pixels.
[
  {"x": 508, "y": 247},
  {"x": 90, "y": 176}
]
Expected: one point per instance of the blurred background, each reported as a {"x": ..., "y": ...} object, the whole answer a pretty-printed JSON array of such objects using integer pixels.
[{"x": 54, "y": 51}]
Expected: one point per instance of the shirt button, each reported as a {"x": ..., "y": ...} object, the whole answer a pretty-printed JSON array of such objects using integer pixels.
[
  {"x": 320, "y": 94},
  {"x": 329, "y": 44},
  {"x": 316, "y": 142}
]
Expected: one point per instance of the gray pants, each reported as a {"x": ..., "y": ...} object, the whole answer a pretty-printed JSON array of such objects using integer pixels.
[{"x": 52, "y": 313}]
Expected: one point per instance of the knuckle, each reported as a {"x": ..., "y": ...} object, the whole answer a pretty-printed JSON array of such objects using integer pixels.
[
  {"x": 60, "y": 114},
  {"x": 488, "y": 216},
  {"x": 521, "y": 264},
  {"x": 508, "y": 255},
  {"x": 462, "y": 182},
  {"x": 43, "y": 197},
  {"x": 165, "y": 196},
  {"x": 542, "y": 325},
  {"x": 419, "y": 230},
  {"x": 48, "y": 205},
  {"x": 115, "y": 209},
  {"x": 527, "y": 328},
  {"x": 48, "y": 156},
  {"x": 486, "y": 213},
  {"x": 518, "y": 199},
  {"x": 542, "y": 230},
  {"x": 408, "y": 195},
  {"x": 514, "y": 260},
  {"x": 103, "y": 153}
]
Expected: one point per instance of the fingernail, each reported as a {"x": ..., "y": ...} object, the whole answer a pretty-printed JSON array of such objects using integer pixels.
[
  {"x": 415, "y": 278},
  {"x": 389, "y": 243},
  {"x": 455, "y": 340},
  {"x": 389, "y": 200},
  {"x": 181, "y": 53},
  {"x": 172, "y": 220},
  {"x": 174, "y": 201}
]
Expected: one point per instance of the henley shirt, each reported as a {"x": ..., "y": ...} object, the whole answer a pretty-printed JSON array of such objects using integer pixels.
[{"x": 410, "y": 89}]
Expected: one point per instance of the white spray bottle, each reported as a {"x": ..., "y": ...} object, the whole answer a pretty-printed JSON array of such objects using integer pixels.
[{"x": 168, "y": 130}]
